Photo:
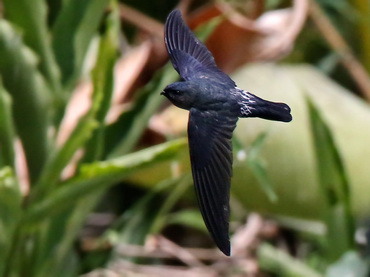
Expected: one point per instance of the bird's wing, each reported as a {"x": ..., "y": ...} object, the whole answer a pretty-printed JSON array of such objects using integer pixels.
[
  {"x": 189, "y": 56},
  {"x": 211, "y": 160}
]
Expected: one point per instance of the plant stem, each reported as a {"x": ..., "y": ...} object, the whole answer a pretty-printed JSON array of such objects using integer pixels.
[{"x": 339, "y": 45}]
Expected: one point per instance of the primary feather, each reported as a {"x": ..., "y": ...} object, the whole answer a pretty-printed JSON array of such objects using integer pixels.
[{"x": 189, "y": 56}]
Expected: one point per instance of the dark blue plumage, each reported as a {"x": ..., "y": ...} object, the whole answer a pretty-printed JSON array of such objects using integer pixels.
[{"x": 215, "y": 104}]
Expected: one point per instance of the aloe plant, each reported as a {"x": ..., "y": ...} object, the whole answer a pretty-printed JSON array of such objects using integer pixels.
[{"x": 40, "y": 66}]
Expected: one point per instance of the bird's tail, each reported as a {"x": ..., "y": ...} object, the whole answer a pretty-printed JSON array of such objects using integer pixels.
[{"x": 258, "y": 107}]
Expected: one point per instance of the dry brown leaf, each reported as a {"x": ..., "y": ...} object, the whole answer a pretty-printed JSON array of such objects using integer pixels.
[
  {"x": 79, "y": 104},
  {"x": 21, "y": 167},
  {"x": 282, "y": 27},
  {"x": 171, "y": 121},
  {"x": 247, "y": 235},
  {"x": 239, "y": 40},
  {"x": 126, "y": 75},
  {"x": 128, "y": 69}
]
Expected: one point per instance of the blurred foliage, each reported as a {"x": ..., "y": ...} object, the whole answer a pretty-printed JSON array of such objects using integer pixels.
[
  {"x": 310, "y": 176},
  {"x": 40, "y": 66}
]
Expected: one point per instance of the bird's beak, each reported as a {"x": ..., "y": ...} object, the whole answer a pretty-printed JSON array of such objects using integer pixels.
[{"x": 163, "y": 93}]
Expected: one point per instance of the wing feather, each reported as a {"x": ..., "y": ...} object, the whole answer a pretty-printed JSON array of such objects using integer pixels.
[
  {"x": 189, "y": 56},
  {"x": 211, "y": 160}
]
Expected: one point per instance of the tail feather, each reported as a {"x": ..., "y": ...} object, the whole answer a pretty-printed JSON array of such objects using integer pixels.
[{"x": 258, "y": 107}]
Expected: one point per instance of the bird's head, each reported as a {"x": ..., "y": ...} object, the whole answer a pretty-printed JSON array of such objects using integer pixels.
[{"x": 181, "y": 94}]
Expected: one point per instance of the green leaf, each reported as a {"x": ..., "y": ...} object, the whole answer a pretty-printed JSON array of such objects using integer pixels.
[
  {"x": 60, "y": 157},
  {"x": 103, "y": 84},
  {"x": 279, "y": 262},
  {"x": 57, "y": 235},
  {"x": 6, "y": 129},
  {"x": 73, "y": 31},
  {"x": 31, "y": 17},
  {"x": 335, "y": 186},
  {"x": 182, "y": 185},
  {"x": 29, "y": 94},
  {"x": 135, "y": 223},
  {"x": 11, "y": 211},
  {"x": 309, "y": 227},
  {"x": 63, "y": 228},
  {"x": 147, "y": 216},
  {"x": 191, "y": 218},
  {"x": 206, "y": 29},
  {"x": 100, "y": 175},
  {"x": 65, "y": 209},
  {"x": 258, "y": 167},
  {"x": 255, "y": 163}
]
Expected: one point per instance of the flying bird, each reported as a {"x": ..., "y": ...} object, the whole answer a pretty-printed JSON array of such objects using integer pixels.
[{"x": 215, "y": 104}]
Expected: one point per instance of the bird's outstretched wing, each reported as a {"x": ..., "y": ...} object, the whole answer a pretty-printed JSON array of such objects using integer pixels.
[
  {"x": 189, "y": 56},
  {"x": 211, "y": 160}
]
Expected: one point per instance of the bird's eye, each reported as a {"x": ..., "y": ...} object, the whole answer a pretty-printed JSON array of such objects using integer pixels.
[{"x": 177, "y": 91}]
